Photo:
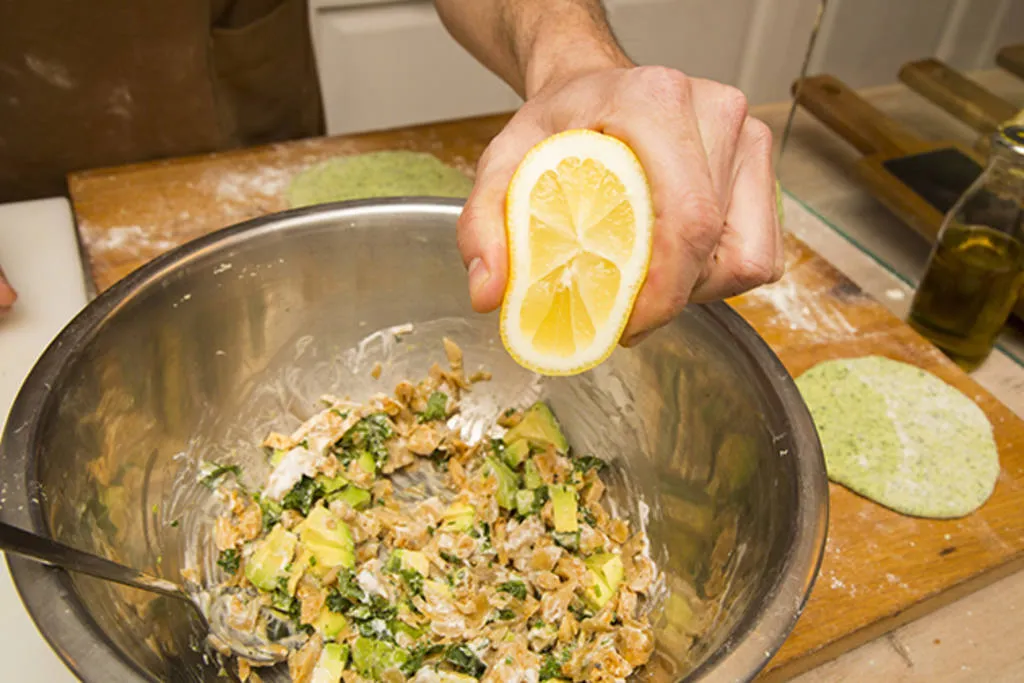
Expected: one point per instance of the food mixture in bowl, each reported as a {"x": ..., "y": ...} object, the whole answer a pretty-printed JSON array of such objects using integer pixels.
[{"x": 385, "y": 548}]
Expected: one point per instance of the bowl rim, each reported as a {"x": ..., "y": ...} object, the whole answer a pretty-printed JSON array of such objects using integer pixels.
[{"x": 49, "y": 595}]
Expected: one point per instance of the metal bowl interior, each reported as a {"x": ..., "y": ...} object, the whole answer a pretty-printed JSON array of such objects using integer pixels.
[{"x": 196, "y": 355}]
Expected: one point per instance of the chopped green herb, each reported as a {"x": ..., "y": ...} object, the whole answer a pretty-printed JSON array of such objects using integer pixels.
[
  {"x": 302, "y": 496},
  {"x": 464, "y": 660},
  {"x": 570, "y": 540},
  {"x": 448, "y": 557},
  {"x": 369, "y": 435},
  {"x": 586, "y": 463},
  {"x": 437, "y": 407},
  {"x": 517, "y": 589},
  {"x": 345, "y": 594},
  {"x": 417, "y": 656},
  {"x": 552, "y": 666},
  {"x": 211, "y": 477},
  {"x": 413, "y": 579},
  {"x": 285, "y": 603},
  {"x": 175, "y": 523},
  {"x": 504, "y": 614},
  {"x": 579, "y": 610},
  {"x": 228, "y": 560},
  {"x": 588, "y": 516},
  {"x": 271, "y": 512}
]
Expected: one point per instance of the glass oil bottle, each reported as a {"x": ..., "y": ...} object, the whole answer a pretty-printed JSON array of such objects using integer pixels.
[{"x": 976, "y": 269}]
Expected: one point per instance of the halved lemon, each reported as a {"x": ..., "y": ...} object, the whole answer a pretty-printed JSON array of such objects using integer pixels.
[{"x": 579, "y": 221}]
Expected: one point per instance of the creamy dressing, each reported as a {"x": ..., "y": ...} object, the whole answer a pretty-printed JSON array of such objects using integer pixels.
[{"x": 295, "y": 463}]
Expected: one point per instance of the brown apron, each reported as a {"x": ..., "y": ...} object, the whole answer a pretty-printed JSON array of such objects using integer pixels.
[{"x": 92, "y": 83}]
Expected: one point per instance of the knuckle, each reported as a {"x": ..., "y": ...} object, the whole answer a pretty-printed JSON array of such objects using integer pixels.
[
  {"x": 754, "y": 272},
  {"x": 760, "y": 134},
  {"x": 665, "y": 295},
  {"x": 702, "y": 223},
  {"x": 667, "y": 83},
  {"x": 734, "y": 102}
]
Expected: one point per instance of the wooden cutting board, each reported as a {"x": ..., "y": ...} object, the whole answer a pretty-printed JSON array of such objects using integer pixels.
[{"x": 880, "y": 569}]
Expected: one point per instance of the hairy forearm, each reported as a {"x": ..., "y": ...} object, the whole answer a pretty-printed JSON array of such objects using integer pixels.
[{"x": 530, "y": 43}]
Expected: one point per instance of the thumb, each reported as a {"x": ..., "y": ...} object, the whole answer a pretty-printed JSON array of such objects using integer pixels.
[
  {"x": 481, "y": 227},
  {"x": 7, "y": 293}
]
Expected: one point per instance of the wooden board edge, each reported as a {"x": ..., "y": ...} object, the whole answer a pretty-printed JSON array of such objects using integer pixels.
[{"x": 815, "y": 658}]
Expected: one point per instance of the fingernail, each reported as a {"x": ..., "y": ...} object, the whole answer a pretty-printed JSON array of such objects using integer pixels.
[
  {"x": 478, "y": 275},
  {"x": 637, "y": 339}
]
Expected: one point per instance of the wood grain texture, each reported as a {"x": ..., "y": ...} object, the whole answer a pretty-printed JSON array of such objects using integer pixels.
[
  {"x": 880, "y": 567},
  {"x": 963, "y": 98},
  {"x": 130, "y": 214},
  {"x": 1011, "y": 58},
  {"x": 882, "y": 139}
]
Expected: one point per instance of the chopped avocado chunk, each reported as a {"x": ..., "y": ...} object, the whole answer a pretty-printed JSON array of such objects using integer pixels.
[
  {"x": 540, "y": 428},
  {"x": 609, "y": 565},
  {"x": 531, "y": 475},
  {"x": 372, "y": 657},
  {"x": 452, "y": 677},
  {"x": 330, "y": 484},
  {"x": 436, "y": 589},
  {"x": 459, "y": 517},
  {"x": 328, "y": 539},
  {"x": 516, "y": 452},
  {"x": 508, "y": 482},
  {"x": 530, "y": 501},
  {"x": 331, "y": 663},
  {"x": 367, "y": 464},
  {"x": 329, "y": 624},
  {"x": 412, "y": 560},
  {"x": 277, "y": 456},
  {"x": 270, "y": 557},
  {"x": 355, "y": 497},
  {"x": 563, "y": 501},
  {"x": 606, "y": 572}
]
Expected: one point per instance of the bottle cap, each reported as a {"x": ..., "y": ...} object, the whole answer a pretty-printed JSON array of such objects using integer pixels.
[{"x": 1010, "y": 138}]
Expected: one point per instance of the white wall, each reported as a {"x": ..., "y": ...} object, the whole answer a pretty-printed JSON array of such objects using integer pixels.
[{"x": 389, "y": 63}]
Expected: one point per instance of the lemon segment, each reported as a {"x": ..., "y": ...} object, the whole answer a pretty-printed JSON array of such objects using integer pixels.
[{"x": 579, "y": 222}]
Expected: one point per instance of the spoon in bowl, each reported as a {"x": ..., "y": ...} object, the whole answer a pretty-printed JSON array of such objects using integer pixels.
[{"x": 215, "y": 612}]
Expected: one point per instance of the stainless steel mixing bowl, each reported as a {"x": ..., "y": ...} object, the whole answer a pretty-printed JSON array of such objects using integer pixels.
[{"x": 198, "y": 354}]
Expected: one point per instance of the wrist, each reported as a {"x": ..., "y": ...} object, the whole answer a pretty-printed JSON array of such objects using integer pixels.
[{"x": 556, "y": 57}]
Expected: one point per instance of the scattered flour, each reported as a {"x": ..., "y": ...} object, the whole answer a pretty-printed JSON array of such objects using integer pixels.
[
  {"x": 131, "y": 237},
  {"x": 797, "y": 307},
  {"x": 241, "y": 186}
]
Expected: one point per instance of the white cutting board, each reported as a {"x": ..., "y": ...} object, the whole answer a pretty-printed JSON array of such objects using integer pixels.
[{"x": 39, "y": 253}]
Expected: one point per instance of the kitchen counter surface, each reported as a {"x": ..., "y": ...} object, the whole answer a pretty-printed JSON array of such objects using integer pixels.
[{"x": 974, "y": 638}]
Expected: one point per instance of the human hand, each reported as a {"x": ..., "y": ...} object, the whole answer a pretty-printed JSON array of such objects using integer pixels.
[
  {"x": 716, "y": 231},
  {"x": 7, "y": 294}
]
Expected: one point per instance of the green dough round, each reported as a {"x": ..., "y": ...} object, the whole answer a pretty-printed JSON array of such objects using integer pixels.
[
  {"x": 377, "y": 174},
  {"x": 901, "y": 436}
]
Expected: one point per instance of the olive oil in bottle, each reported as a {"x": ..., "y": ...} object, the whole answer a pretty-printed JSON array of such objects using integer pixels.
[{"x": 976, "y": 270}]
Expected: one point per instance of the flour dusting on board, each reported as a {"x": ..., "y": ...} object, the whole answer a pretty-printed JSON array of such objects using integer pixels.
[
  {"x": 242, "y": 186},
  {"x": 133, "y": 238},
  {"x": 802, "y": 309}
]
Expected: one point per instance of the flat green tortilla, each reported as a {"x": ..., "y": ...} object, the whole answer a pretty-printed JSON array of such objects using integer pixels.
[
  {"x": 901, "y": 436},
  {"x": 377, "y": 174}
]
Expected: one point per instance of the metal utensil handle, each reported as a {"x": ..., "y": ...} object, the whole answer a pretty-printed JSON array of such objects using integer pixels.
[{"x": 50, "y": 552}]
